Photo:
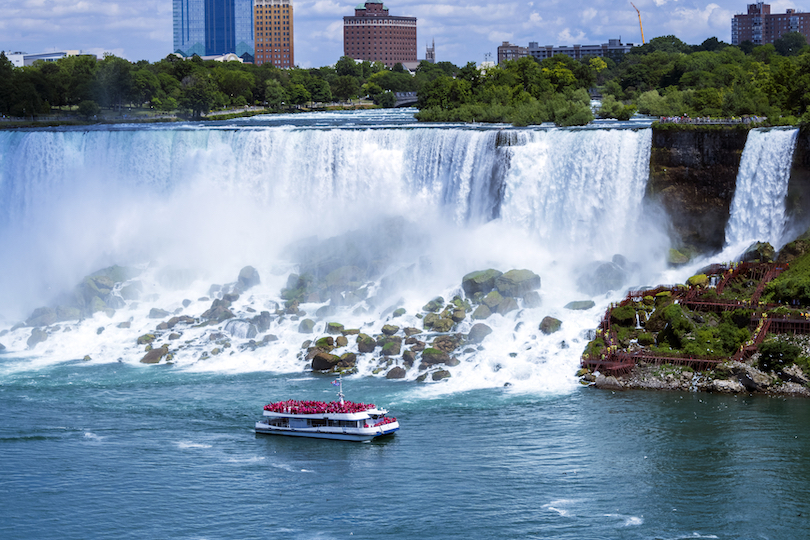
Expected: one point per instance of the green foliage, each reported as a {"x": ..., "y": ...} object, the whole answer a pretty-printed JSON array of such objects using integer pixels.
[
  {"x": 792, "y": 284},
  {"x": 88, "y": 108},
  {"x": 613, "y": 108},
  {"x": 776, "y": 354},
  {"x": 623, "y": 316}
]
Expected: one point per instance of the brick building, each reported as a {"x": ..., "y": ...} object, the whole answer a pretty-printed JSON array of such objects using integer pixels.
[
  {"x": 374, "y": 35},
  {"x": 507, "y": 51},
  {"x": 273, "y": 25},
  {"x": 760, "y": 26}
]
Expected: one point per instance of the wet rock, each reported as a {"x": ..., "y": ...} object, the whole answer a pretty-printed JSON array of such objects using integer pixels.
[
  {"x": 410, "y": 331},
  {"x": 580, "y": 305},
  {"x": 492, "y": 300},
  {"x": 676, "y": 258},
  {"x": 390, "y": 330},
  {"x": 365, "y": 343},
  {"x": 517, "y": 282},
  {"x": 43, "y": 316},
  {"x": 758, "y": 252},
  {"x": 447, "y": 343},
  {"x": 408, "y": 358},
  {"x": 418, "y": 346},
  {"x": 327, "y": 343},
  {"x": 155, "y": 355},
  {"x": 146, "y": 339},
  {"x": 549, "y": 325},
  {"x": 350, "y": 332},
  {"x": 434, "y": 356},
  {"x": 125, "y": 324},
  {"x": 441, "y": 374},
  {"x": 391, "y": 345},
  {"x": 698, "y": 280},
  {"x": 248, "y": 277},
  {"x": 242, "y": 329},
  {"x": 725, "y": 386},
  {"x": 398, "y": 312},
  {"x": 186, "y": 302},
  {"x": 174, "y": 336},
  {"x": 306, "y": 326},
  {"x": 38, "y": 335},
  {"x": 395, "y": 372},
  {"x": 156, "y": 313},
  {"x": 334, "y": 328},
  {"x": 348, "y": 360},
  {"x": 507, "y": 305},
  {"x": 458, "y": 315},
  {"x": 608, "y": 383},
  {"x": 325, "y": 311},
  {"x": 99, "y": 330},
  {"x": 269, "y": 338},
  {"x": 481, "y": 312},
  {"x": 434, "y": 305},
  {"x": 68, "y": 313},
  {"x": 602, "y": 278},
  {"x": 478, "y": 332},
  {"x": 324, "y": 361},
  {"x": 132, "y": 291},
  {"x": 532, "y": 300},
  {"x": 481, "y": 281}
]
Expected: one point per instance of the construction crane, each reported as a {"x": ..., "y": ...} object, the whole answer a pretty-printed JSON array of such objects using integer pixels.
[{"x": 639, "y": 22}]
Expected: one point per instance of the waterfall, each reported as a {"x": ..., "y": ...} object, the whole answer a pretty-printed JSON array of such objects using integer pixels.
[
  {"x": 191, "y": 205},
  {"x": 758, "y": 209}
]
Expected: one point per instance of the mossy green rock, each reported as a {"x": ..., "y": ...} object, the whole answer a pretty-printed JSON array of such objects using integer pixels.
[
  {"x": 676, "y": 258},
  {"x": 434, "y": 305},
  {"x": 365, "y": 343},
  {"x": 334, "y": 328},
  {"x": 341, "y": 341},
  {"x": 481, "y": 281},
  {"x": 155, "y": 355},
  {"x": 517, "y": 282},
  {"x": 398, "y": 312},
  {"x": 392, "y": 348},
  {"x": 326, "y": 343},
  {"x": 306, "y": 326},
  {"x": 580, "y": 305},
  {"x": 549, "y": 325},
  {"x": 433, "y": 356},
  {"x": 507, "y": 305},
  {"x": 324, "y": 361},
  {"x": 459, "y": 315},
  {"x": 698, "y": 280},
  {"x": 146, "y": 338},
  {"x": 390, "y": 329},
  {"x": 441, "y": 374},
  {"x": 481, "y": 312},
  {"x": 759, "y": 252},
  {"x": 492, "y": 300}
]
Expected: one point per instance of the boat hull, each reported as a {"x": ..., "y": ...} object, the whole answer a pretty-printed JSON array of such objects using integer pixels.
[{"x": 347, "y": 434}]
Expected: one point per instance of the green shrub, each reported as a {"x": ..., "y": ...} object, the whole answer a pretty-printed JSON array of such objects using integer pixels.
[{"x": 776, "y": 354}]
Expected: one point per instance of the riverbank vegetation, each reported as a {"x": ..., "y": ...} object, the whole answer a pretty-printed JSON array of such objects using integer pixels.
[{"x": 664, "y": 77}]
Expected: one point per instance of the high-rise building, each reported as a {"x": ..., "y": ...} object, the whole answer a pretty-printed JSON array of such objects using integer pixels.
[
  {"x": 760, "y": 26},
  {"x": 273, "y": 24},
  {"x": 213, "y": 27},
  {"x": 374, "y": 35},
  {"x": 507, "y": 51},
  {"x": 614, "y": 48}
]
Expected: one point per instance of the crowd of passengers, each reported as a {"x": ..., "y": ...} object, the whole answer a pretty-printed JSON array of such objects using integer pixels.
[{"x": 294, "y": 406}]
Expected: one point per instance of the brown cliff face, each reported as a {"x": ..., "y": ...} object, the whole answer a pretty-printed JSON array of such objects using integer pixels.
[
  {"x": 693, "y": 174},
  {"x": 798, "y": 197}
]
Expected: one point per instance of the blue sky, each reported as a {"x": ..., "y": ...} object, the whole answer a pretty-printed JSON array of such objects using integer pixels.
[{"x": 464, "y": 30}]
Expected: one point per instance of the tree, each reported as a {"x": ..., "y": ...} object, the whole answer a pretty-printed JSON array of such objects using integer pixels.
[
  {"x": 199, "y": 93},
  {"x": 790, "y": 43},
  {"x": 298, "y": 94},
  {"x": 88, "y": 108},
  {"x": 345, "y": 87},
  {"x": 113, "y": 81},
  {"x": 347, "y": 66},
  {"x": 274, "y": 94}
]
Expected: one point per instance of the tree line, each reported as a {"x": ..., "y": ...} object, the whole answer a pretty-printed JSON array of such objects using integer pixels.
[
  {"x": 664, "y": 77},
  {"x": 193, "y": 86}
]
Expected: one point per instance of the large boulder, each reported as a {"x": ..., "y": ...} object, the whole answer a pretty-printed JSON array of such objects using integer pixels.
[
  {"x": 323, "y": 361},
  {"x": 517, "y": 282},
  {"x": 602, "y": 278},
  {"x": 580, "y": 305},
  {"x": 506, "y": 305},
  {"x": 248, "y": 277},
  {"x": 481, "y": 281},
  {"x": 395, "y": 372},
  {"x": 391, "y": 345},
  {"x": 242, "y": 329},
  {"x": 155, "y": 355},
  {"x": 532, "y": 300},
  {"x": 549, "y": 325},
  {"x": 43, "y": 316},
  {"x": 434, "y": 356},
  {"x": 481, "y": 312},
  {"x": 365, "y": 343},
  {"x": 38, "y": 335},
  {"x": 478, "y": 332},
  {"x": 306, "y": 326},
  {"x": 441, "y": 374},
  {"x": 758, "y": 252},
  {"x": 608, "y": 383},
  {"x": 447, "y": 343}
]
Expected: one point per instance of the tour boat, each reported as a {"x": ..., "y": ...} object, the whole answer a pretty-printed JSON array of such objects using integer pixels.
[{"x": 342, "y": 420}]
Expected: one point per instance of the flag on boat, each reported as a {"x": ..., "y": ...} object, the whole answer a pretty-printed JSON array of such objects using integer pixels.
[{"x": 335, "y": 383}]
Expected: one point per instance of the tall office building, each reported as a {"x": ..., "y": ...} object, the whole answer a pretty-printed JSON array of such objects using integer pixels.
[
  {"x": 273, "y": 23},
  {"x": 372, "y": 34},
  {"x": 760, "y": 26},
  {"x": 213, "y": 27}
]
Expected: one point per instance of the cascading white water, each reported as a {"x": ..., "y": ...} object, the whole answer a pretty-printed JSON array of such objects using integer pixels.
[
  {"x": 210, "y": 200},
  {"x": 758, "y": 209}
]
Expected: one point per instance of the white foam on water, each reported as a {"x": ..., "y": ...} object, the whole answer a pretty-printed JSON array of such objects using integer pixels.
[{"x": 189, "y": 445}]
